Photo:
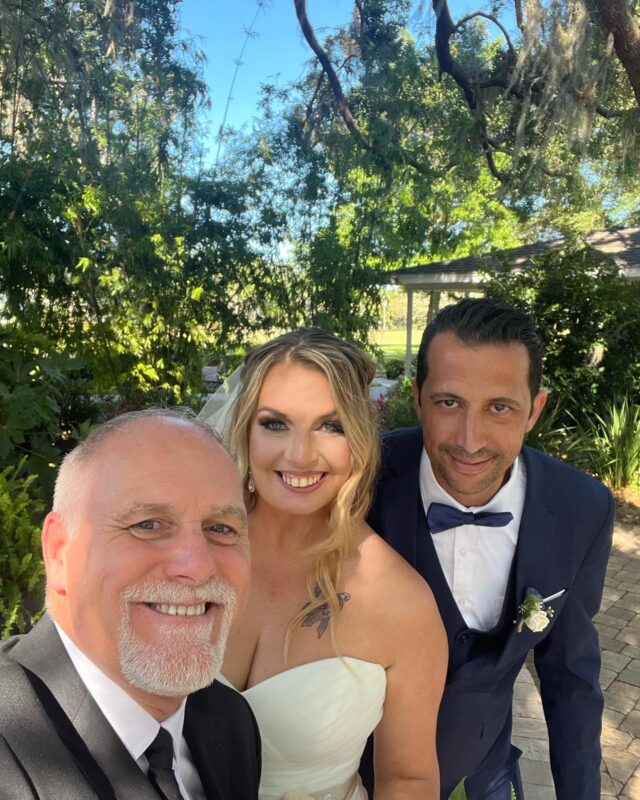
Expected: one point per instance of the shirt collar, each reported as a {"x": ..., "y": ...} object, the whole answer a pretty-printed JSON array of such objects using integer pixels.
[
  {"x": 431, "y": 491},
  {"x": 134, "y": 726}
]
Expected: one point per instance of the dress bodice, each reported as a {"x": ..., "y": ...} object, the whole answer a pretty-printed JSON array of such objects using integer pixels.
[{"x": 314, "y": 721}]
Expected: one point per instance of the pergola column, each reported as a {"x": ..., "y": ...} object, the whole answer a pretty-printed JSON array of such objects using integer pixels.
[{"x": 407, "y": 354}]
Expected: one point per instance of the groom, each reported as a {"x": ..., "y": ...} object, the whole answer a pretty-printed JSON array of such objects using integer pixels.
[{"x": 489, "y": 524}]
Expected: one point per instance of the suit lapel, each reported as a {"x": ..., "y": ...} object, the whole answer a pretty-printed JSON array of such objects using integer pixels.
[
  {"x": 399, "y": 493},
  {"x": 43, "y": 653},
  {"x": 206, "y": 735},
  {"x": 537, "y": 538},
  {"x": 539, "y": 545}
]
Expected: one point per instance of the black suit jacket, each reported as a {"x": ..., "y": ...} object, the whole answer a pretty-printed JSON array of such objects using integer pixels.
[
  {"x": 563, "y": 543},
  {"x": 55, "y": 743}
]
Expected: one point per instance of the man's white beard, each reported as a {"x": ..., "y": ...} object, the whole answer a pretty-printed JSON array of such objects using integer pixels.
[{"x": 181, "y": 660}]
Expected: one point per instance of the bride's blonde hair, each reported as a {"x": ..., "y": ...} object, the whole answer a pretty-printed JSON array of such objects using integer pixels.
[{"x": 349, "y": 372}]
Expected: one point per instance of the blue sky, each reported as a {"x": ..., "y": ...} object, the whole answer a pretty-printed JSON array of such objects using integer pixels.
[{"x": 276, "y": 54}]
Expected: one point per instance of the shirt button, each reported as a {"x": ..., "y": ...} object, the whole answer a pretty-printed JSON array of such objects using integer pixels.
[{"x": 463, "y": 552}]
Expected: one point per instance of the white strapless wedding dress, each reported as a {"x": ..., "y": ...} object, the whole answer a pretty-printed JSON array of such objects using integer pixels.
[{"x": 314, "y": 721}]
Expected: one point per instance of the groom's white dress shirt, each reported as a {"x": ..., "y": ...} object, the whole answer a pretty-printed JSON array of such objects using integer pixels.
[
  {"x": 135, "y": 727},
  {"x": 476, "y": 560}
]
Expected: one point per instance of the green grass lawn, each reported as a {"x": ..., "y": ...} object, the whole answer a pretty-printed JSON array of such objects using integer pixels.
[{"x": 393, "y": 343}]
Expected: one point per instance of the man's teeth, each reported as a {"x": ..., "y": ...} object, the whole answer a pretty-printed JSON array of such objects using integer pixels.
[
  {"x": 180, "y": 611},
  {"x": 301, "y": 482}
]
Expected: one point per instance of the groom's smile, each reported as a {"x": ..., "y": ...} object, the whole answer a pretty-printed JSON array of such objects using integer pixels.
[{"x": 475, "y": 407}]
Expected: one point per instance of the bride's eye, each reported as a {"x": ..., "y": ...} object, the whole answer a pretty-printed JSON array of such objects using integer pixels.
[
  {"x": 333, "y": 426},
  {"x": 272, "y": 424}
]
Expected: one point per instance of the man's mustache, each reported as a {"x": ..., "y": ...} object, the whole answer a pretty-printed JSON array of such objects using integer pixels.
[
  {"x": 460, "y": 452},
  {"x": 215, "y": 590}
]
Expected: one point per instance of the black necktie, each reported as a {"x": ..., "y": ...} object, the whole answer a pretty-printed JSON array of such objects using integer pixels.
[
  {"x": 161, "y": 774},
  {"x": 441, "y": 517}
]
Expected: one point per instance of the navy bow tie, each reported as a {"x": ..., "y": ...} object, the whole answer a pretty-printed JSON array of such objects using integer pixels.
[{"x": 441, "y": 517}]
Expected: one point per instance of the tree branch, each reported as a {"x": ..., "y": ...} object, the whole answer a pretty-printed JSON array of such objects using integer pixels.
[
  {"x": 334, "y": 82},
  {"x": 495, "y": 21},
  {"x": 519, "y": 15},
  {"x": 445, "y": 29},
  {"x": 310, "y": 104},
  {"x": 343, "y": 107},
  {"x": 618, "y": 20}
]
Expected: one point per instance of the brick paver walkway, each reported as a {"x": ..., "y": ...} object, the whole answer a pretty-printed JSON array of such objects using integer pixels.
[{"x": 619, "y": 626}]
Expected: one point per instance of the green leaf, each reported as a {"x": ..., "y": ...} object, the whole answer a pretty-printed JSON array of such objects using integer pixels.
[{"x": 459, "y": 792}]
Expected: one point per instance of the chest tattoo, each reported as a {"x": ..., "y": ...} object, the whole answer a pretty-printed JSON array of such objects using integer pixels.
[{"x": 321, "y": 615}]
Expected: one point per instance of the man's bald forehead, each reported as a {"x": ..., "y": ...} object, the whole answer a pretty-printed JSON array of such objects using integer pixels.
[
  {"x": 84, "y": 455},
  {"x": 179, "y": 416}
]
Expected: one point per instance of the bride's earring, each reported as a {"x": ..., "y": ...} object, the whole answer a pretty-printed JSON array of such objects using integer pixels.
[{"x": 250, "y": 484}]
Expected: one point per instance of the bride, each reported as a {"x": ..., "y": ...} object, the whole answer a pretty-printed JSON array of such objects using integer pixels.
[{"x": 340, "y": 637}]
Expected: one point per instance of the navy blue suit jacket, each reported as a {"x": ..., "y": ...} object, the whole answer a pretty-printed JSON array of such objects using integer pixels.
[{"x": 563, "y": 543}]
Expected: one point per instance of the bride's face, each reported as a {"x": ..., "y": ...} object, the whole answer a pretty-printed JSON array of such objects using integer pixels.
[{"x": 298, "y": 452}]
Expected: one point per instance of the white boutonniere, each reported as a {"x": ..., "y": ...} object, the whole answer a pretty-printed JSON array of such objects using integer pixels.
[{"x": 533, "y": 611}]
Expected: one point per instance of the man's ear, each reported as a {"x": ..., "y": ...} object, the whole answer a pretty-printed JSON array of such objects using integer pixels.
[
  {"x": 416, "y": 397},
  {"x": 55, "y": 540},
  {"x": 539, "y": 402}
]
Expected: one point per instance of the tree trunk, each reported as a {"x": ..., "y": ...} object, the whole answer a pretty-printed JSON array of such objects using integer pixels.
[{"x": 617, "y": 19}]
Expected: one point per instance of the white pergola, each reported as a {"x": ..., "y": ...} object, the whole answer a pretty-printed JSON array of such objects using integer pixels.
[{"x": 465, "y": 274}]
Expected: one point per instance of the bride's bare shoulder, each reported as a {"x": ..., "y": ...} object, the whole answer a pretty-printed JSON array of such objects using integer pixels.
[
  {"x": 396, "y": 609},
  {"x": 379, "y": 565}
]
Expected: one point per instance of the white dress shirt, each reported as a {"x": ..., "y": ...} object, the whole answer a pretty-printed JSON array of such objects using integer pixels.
[
  {"x": 476, "y": 560},
  {"x": 135, "y": 727}
]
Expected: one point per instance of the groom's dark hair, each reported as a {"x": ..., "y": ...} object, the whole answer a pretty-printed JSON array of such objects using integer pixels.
[{"x": 481, "y": 321}]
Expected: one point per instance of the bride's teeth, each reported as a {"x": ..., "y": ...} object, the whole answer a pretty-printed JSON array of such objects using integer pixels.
[{"x": 301, "y": 482}]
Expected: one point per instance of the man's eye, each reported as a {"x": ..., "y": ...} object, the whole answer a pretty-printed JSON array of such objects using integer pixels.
[
  {"x": 272, "y": 424},
  {"x": 146, "y": 525},
  {"x": 500, "y": 408},
  {"x": 219, "y": 529},
  {"x": 222, "y": 533},
  {"x": 448, "y": 403}
]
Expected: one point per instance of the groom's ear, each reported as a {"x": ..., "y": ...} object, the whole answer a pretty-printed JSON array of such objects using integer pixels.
[
  {"x": 539, "y": 402},
  {"x": 416, "y": 396}
]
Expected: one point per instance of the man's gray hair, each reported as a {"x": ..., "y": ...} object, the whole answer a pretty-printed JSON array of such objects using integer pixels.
[{"x": 65, "y": 495}]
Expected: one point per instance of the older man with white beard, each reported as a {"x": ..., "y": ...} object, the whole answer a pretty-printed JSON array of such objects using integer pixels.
[{"x": 112, "y": 694}]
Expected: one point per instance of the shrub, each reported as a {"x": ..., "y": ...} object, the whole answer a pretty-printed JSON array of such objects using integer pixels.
[
  {"x": 608, "y": 445},
  {"x": 393, "y": 368},
  {"x": 21, "y": 568},
  {"x": 551, "y": 434},
  {"x": 589, "y": 318},
  {"x": 46, "y": 400},
  {"x": 397, "y": 409}
]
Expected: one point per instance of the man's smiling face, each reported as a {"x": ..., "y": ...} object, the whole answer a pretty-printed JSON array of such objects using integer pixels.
[
  {"x": 475, "y": 407},
  {"x": 144, "y": 578}
]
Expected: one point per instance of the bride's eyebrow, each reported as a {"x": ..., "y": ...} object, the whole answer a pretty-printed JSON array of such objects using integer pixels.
[
  {"x": 273, "y": 411},
  {"x": 328, "y": 417}
]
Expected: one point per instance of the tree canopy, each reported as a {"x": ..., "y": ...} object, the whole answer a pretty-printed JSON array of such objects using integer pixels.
[
  {"x": 113, "y": 245},
  {"x": 410, "y": 137}
]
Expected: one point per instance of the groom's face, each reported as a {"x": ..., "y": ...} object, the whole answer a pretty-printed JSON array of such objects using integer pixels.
[{"x": 475, "y": 408}]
